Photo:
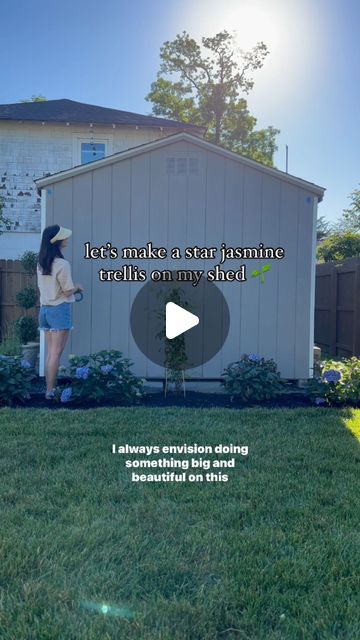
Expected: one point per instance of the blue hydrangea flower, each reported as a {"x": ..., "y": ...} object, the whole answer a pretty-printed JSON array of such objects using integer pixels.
[
  {"x": 253, "y": 357},
  {"x": 66, "y": 394},
  {"x": 106, "y": 368},
  {"x": 319, "y": 400},
  {"x": 25, "y": 364},
  {"x": 82, "y": 373},
  {"x": 331, "y": 376}
]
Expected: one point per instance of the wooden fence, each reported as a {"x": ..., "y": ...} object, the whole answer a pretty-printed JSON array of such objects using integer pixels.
[
  {"x": 13, "y": 277},
  {"x": 337, "y": 307}
]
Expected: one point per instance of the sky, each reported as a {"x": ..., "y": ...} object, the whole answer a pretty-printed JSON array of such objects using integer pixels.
[{"x": 108, "y": 54}]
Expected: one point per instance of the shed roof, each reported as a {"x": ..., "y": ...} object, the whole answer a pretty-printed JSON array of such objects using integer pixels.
[
  {"x": 177, "y": 137},
  {"x": 70, "y": 111}
]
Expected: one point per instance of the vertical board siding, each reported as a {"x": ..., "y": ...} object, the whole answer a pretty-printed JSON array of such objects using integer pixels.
[
  {"x": 268, "y": 291},
  {"x": 214, "y": 232},
  {"x": 100, "y": 235},
  {"x": 158, "y": 223},
  {"x": 139, "y": 236},
  {"x": 177, "y": 216},
  {"x": 196, "y": 217},
  {"x": 177, "y": 212},
  {"x": 304, "y": 271},
  {"x": 286, "y": 308},
  {"x": 249, "y": 330},
  {"x": 82, "y": 269},
  {"x": 49, "y": 205},
  {"x": 137, "y": 200},
  {"x": 232, "y": 236},
  {"x": 121, "y": 226}
]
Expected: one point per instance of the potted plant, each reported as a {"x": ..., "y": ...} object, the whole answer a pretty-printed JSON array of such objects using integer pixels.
[{"x": 26, "y": 325}]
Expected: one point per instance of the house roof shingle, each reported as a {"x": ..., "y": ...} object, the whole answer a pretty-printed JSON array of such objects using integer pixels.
[{"x": 70, "y": 111}]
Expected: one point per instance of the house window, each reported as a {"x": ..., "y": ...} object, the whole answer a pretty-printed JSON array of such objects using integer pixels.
[
  {"x": 90, "y": 148},
  {"x": 91, "y": 151}
]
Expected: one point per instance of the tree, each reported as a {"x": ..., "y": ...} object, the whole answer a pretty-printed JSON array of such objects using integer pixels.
[
  {"x": 322, "y": 228},
  {"x": 350, "y": 219},
  {"x": 34, "y": 98},
  {"x": 339, "y": 247},
  {"x": 207, "y": 92}
]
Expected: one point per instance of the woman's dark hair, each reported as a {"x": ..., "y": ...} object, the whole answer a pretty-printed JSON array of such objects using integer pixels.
[{"x": 48, "y": 252}]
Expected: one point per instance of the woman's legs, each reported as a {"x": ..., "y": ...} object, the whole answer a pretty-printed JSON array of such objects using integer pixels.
[{"x": 55, "y": 343}]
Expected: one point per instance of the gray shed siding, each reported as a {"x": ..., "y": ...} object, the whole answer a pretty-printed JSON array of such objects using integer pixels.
[{"x": 135, "y": 200}]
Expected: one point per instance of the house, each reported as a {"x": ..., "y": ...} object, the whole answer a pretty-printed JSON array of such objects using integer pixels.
[
  {"x": 41, "y": 138},
  {"x": 183, "y": 191}
]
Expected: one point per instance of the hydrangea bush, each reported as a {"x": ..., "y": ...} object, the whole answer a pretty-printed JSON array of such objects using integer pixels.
[
  {"x": 252, "y": 379},
  {"x": 338, "y": 383},
  {"x": 16, "y": 376},
  {"x": 105, "y": 375}
]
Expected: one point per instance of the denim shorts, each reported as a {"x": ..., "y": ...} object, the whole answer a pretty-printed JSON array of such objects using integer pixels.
[{"x": 55, "y": 317}]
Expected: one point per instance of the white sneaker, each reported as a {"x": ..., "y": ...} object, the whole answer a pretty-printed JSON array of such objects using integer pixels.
[{"x": 50, "y": 395}]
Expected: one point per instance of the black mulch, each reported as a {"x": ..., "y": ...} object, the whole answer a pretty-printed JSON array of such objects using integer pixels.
[{"x": 293, "y": 398}]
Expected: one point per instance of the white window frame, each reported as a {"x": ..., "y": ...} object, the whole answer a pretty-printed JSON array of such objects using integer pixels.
[{"x": 96, "y": 138}]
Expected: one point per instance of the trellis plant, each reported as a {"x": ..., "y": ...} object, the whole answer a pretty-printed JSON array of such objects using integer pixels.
[{"x": 175, "y": 352}]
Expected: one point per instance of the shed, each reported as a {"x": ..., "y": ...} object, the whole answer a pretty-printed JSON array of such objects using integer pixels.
[{"x": 182, "y": 191}]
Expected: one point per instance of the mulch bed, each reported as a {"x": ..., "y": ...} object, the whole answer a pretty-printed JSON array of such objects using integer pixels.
[{"x": 294, "y": 398}]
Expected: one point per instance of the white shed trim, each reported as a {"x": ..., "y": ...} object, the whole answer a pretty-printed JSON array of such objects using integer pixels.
[
  {"x": 186, "y": 137},
  {"x": 312, "y": 293},
  {"x": 42, "y": 333}
]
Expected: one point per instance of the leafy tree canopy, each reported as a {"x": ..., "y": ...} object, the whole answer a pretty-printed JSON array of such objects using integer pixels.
[
  {"x": 207, "y": 88},
  {"x": 34, "y": 98},
  {"x": 350, "y": 219},
  {"x": 339, "y": 247},
  {"x": 323, "y": 229}
]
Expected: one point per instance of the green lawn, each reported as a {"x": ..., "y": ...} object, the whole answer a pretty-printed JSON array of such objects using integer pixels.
[{"x": 273, "y": 554}]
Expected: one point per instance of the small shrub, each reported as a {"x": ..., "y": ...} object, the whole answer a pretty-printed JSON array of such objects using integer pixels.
[
  {"x": 339, "y": 382},
  {"x": 252, "y": 379},
  {"x": 29, "y": 261},
  {"x": 339, "y": 247},
  {"x": 105, "y": 375},
  {"x": 15, "y": 379},
  {"x": 27, "y": 297},
  {"x": 26, "y": 329}
]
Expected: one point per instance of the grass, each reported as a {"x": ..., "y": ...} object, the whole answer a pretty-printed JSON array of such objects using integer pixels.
[{"x": 273, "y": 554}]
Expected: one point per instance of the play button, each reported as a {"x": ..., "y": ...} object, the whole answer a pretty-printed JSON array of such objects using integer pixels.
[
  {"x": 190, "y": 321},
  {"x": 178, "y": 320}
]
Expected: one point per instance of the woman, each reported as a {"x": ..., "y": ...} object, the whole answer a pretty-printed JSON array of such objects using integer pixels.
[{"x": 56, "y": 297}]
